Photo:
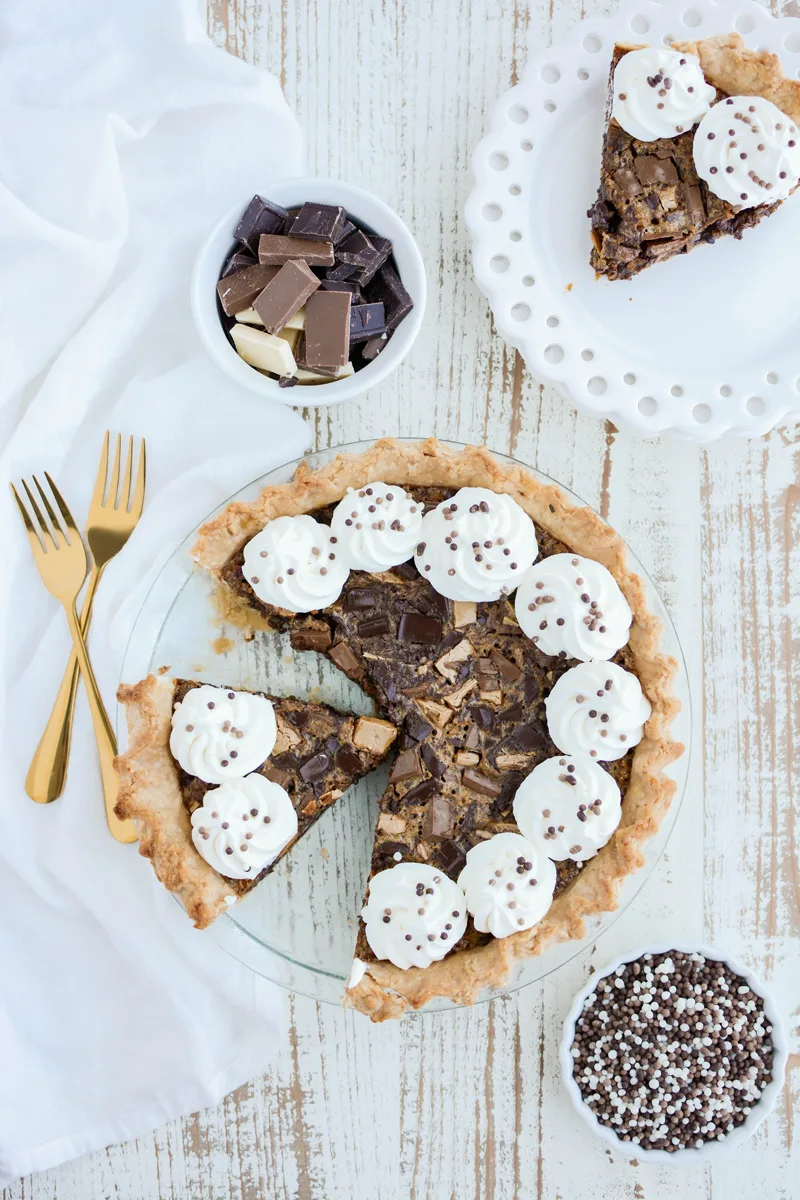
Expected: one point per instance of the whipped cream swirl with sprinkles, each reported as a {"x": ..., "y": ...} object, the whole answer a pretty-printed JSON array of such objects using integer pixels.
[
  {"x": 747, "y": 151},
  {"x": 295, "y": 563},
  {"x": 378, "y": 526},
  {"x": 218, "y": 734},
  {"x": 414, "y": 915},
  {"x": 242, "y": 826},
  {"x": 597, "y": 708},
  {"x": 572, "y": 607},
  {"x": 476, "y": 545},
  {"x": 509, "y": 884},
  {"x": 568, "y": 806},
  {"x": 659, "y": 93}
]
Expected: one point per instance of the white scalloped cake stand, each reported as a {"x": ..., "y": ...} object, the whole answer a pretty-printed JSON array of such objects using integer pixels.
[{"x": 703, "y": 345}]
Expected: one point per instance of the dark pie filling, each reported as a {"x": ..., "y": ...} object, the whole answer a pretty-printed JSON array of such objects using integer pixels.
[
  {"x": 451, "y": 785},
  {"x": 651, "y": 203}
]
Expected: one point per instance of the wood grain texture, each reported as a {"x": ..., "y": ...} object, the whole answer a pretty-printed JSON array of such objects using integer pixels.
[{"x": 394, "y": 96}]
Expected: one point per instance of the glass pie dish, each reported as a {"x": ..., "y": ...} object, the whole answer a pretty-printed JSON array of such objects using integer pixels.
[{"x": 298, "y": 927}]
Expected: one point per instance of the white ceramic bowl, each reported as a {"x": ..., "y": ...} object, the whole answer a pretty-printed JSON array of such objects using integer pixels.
[
  {"x": 742, "y": 1132},
  {"x": 370, "y": 212}
]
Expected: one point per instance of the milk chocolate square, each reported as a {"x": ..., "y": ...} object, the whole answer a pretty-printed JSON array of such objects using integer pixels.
[
  {"x": 275, "y": 249},
  {"x": 285, "y": 294},
  {"x": 239, "y": 290},
  {"x": 327, "y": 334}
]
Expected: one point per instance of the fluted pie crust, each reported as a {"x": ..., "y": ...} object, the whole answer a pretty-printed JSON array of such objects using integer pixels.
[{"x": 385, "y": 991}]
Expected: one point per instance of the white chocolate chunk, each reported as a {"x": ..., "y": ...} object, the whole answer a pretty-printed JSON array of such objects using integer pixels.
[
  {"x": 307, "y": 377},
  {"x": 250, "y": 317},
  {"x": 292, "y": 336},
  {"x": 263, "y": 350}
]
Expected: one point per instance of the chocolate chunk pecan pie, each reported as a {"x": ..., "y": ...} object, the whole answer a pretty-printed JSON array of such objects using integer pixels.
[
  {"x": 502, "y": 635},
  {"x": 701, "y": 140}
]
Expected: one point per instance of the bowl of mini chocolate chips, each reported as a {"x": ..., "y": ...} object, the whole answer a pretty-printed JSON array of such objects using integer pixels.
[
  {"x": 314, "y": 284},
  {"x": 673, "y": 1053}
]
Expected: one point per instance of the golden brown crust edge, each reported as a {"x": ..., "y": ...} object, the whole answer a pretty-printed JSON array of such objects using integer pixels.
[
  {"x": 732, "y": 67},
  {"x": 385, "y": 991},
  {"x": 149, "y": 794}
]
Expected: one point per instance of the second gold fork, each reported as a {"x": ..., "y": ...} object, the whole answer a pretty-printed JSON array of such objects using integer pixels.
[{"x": 109, "y": 525}]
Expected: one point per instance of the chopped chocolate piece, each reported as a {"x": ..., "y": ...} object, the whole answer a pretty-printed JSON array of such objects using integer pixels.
[
  {"x": 341, "y": 271},
  {"x": 322, "y": 221},
  {"x": 285, "y": 294},
  {"x": 260, "y": 216},
  {"x": 530, "y": 689},
  {"x": 383, "y": 248},
  {"x": 413, "y": 627},
  {"x": 374, "y": 734},
  {"x": 473, "y": 738},
  {"x": 238, "y": 261},
  {"x": 417, "y": 727},
  {"x": 262, "y": 350},
  {"x": 287, "y": 381},
  {"x": 332, "y": 745},
  {"x": 374, "y": 626},
  {"x": 310, "y": 639},
  {"x": 276, "y": 774},
  {"x": 483, "y": 716},
  {"x": 357, "y": 250},
  {"x": 694, "y": 204},
  {"x": 421, "y": 791},
  {"x": 347, "y": 760},
  {"x": 407, "y": 765},
  {"x": 371, "y": 349},
  {"x": 343, "y": 285},
  {"x": 505, "y": 666},
  {"x": 439, "y": 818},
  {"x": 479, "y": 783},
  {"x": 512, "y": 713},
  {"x": 327, "y": 336},
  {"x": 345, "y": 231},
  {"x": 277, "y": 249},
  {"x": 650, "y": 169},
  {"x": 238, "y": 291},
  {"x": 389, "y": 849},
  {"x": 627, "y": 182},
  {"x": 358, "y": 598},
  {"x": 387, "y": 288},
  {"x": 314, "y": 767},
  {"x": 406, "y": 570},
  {"x": 433, "y": 764},
  {"x": 366, "y": 320},
  {"x": 451, "y": 858},
  {"x": 344, "y": 658},
  {"x": 532, "y": 736}
]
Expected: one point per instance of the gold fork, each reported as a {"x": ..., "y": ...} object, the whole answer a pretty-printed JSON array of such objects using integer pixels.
[
  {"x": 61, "y": 560},
  {"x": 112, "y": 519}
]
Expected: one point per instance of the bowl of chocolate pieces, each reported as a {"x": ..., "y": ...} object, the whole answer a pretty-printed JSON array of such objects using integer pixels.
[
  {"x": 316, "y": 284},
  {"x": 673, "y": 1053}
]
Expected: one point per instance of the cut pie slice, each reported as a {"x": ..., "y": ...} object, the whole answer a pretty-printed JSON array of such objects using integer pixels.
[
  {"x": 314, "y": 754},
  {"x": 661, "y": 193},
  {"x": 467, "y": 683}
]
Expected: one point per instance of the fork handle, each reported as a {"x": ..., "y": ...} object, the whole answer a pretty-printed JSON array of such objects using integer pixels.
[
  {"x": 47, "y": 773},
  {"x": 123, "y": 831}
]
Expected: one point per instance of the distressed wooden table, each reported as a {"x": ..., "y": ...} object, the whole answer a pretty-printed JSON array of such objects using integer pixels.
[{"x": 394, "y": 96}]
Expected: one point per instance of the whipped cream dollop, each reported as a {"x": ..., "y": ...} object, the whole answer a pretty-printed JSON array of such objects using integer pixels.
[
  {"x": 295, "y": 563},
  {"x": 219, "y": 734},
  {"x": 377, "y": 525},
  {"x": 509, "y": 884},
  {"x": 414, "y": 915},
  {"x": 568, "y": 806},
  {"x": 476, "y": 546},
  {"x": 597, "y": 708},
  {"x": 659, "y": 93},
  {"x": 747, "y": 151},
  {"x": 573, "y": 607},
  {"x": 242, "y": 826}
]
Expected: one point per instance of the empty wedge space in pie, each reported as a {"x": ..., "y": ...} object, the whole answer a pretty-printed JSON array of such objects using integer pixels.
[
  {"x": 701, "y": 141},
  {"x": 522, "y": 697}
]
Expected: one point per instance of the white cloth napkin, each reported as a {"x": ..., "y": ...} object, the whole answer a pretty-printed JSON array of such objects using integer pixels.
[{"x": 124, "y": 135}]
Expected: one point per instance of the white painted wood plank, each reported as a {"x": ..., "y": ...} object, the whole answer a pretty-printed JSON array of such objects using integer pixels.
[{"x": 470, "y": 1104}]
